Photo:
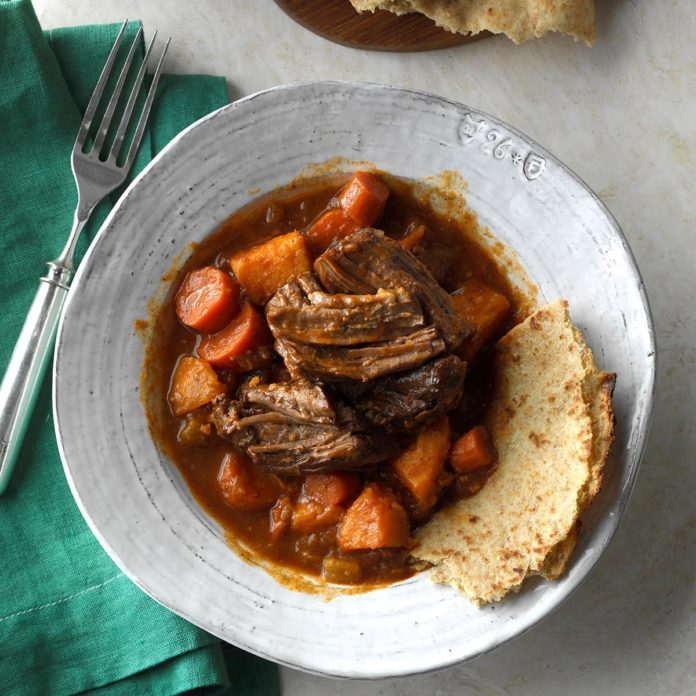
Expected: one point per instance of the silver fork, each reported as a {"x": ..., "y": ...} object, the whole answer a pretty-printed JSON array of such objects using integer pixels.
[{"x": 95, "y": 178}]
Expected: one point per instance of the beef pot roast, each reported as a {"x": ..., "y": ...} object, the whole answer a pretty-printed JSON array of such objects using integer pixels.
[
  {"x": 296, "y": 428},
  {"x": 361, "y": 363},
  {"x": 367, "y": 261},
  {"x": 409, "y": 400},
  {"x": 300, "y": 313},
  {"x": 376, "y": 329}
]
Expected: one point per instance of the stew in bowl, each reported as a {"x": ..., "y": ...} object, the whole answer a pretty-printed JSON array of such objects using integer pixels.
[{"x": 326, "y": 380}]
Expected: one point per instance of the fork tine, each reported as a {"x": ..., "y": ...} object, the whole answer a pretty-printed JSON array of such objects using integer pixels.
[
  {"x": 98, "y": 90},
  {"x": 130, "y": 105},
  {"x": 146, "y": 109},
  {"x": 111, "y": 106}
]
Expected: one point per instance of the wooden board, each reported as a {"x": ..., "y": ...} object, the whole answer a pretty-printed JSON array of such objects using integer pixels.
[{"x": 338, "y": 21}]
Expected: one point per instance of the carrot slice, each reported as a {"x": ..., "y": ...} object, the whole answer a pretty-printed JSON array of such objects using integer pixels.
[
  {"x": 336, "y": 488},
  {"x": 375, "y": 520},
  {"x": 263, "y": 268},
  {"x": 247, "y": 331},
  {"x": 194, "y": 384},
  {"x": 330, "y": 225},
  {"x": 363, "y": 198},
  {"x": 244, "y": 487},
  {"x": 472, "y": 451},
  {"x": 207, "y": 299}
]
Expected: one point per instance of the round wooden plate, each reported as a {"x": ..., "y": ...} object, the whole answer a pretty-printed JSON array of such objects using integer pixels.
[{"x": 338, "y": 21}]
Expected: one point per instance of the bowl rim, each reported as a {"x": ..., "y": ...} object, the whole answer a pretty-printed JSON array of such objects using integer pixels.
[{"x": 639, "y": 444}]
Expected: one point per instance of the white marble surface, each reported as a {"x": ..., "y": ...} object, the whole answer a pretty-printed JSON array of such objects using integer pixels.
[{"x": 623, "y": 115}]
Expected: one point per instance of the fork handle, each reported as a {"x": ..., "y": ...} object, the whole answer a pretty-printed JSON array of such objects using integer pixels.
[{"x": 26, "y": 368}]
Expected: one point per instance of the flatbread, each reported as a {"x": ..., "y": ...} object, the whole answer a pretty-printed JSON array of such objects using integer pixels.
[
  {"x": 519, "y": 19},
  {"x": 556, "y": 561},
  {"x": 552, "y": 424},
  {"x": 599, "y": 389}
]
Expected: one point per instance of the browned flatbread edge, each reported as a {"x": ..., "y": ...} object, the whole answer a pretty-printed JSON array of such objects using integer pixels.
[{"x": 520, "y": 20}]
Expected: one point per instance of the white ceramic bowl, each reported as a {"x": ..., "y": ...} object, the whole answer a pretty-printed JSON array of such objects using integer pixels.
[{"x": 134, "y": 499}]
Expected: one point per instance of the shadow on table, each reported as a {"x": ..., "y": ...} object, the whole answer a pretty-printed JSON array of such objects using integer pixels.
[{"x": 609, "y": 17}]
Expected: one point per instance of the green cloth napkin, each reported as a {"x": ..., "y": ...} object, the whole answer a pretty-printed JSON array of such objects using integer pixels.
[{"x": 70, "y": 621}]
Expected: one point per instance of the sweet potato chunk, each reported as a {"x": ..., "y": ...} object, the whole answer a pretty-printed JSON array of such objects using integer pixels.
[
  {"x": 374, "y": 521},
  {"x": 472, "y": 451},
  {"x": 421, "y": 466},
  {"x": 323, "y": 499},
  {"x": 485, "y": 309},
  {"x": 309, "y": 515},
  {"x": 194, "y": 384},
  {"x": 263, "y": 268},
  {"x": 336, "y": 488},
  {"x": 245, "y": 487}
]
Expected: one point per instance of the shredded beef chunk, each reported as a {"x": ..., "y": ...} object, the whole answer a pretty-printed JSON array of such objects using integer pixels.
[
  {"x": 225, "y": 414},
  {"x": 362, "y": 363},
  {"x": 338, "y": 337},
  {"x": 367, "y": 260},
  {"x": 410, "y": 400},
  {"x": 300, "y": 401},
  {"x": 379, "y": 335},
  {"x": 299, "y": 313},
  {"x": 295, "y": 428},
  {"x": 437, "y": 258}
]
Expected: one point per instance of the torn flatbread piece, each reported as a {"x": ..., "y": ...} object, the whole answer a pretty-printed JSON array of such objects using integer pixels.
[
  {"x": 519, "y": 19},
  {"x": 551, "y": 421}
]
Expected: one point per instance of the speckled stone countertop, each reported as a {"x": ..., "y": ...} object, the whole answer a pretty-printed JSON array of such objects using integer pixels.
[{"x": 623, "y": 116}]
